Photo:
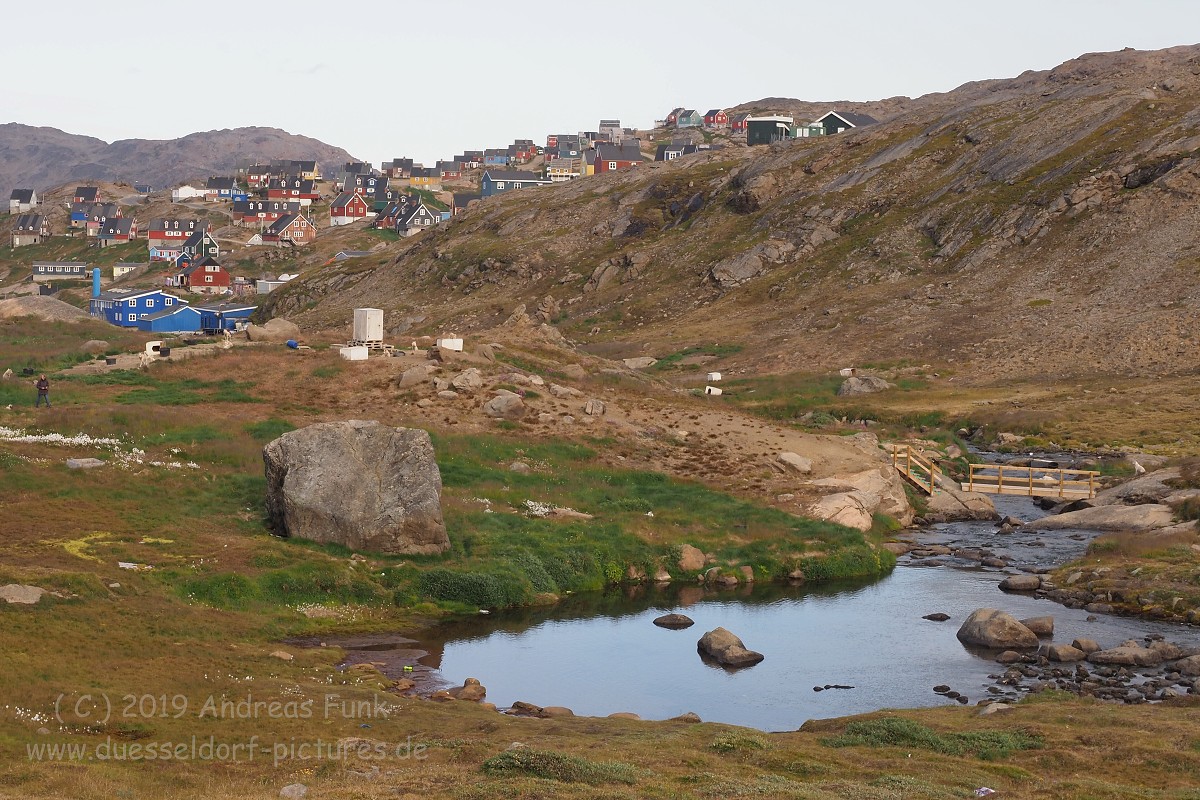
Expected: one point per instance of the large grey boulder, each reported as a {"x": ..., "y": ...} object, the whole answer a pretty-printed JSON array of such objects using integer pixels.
[
  {"x": 277, "y": 331},
  {"x": 989, "y": 627},
  {"x": 1109, "y": 518},
  {"x": 727, "y": 648},
  {"x": 880, "y": 489},
  {"x": 736, "y": 270},
  {"x": 360, "y": 484}
]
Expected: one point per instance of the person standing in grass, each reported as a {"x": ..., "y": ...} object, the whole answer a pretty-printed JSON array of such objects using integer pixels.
[{"x": 43, "y": 390}]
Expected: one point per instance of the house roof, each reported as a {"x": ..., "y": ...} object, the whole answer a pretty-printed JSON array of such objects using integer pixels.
[
  {"x": 613, "y": 152},
  {"x": 200, "y": 265},
  {"x": 303, "y": 184},
  {"x": 195, "y": 239},
  {"x": 745, "y": 115},
  {"x": 344, "y": 199},
  {"x": 60, "y": 264},
  {"x": 189, "y": 224},
  {"x": 22, "y": 195},
  {"x": 511, "y": 175},
  {"x": 461, "y": 199},
  {"x": 88, "y": 193},
  {"x": 102, "y": 211},
  {"x": 117, "y": 227},
  {"x": 224, "y": 308},
  {"x": 166, "y": 312},
  {"x": 284, "y": 222},
  {"x": 133, "y": 294},
  {"x": 220, "y": 184},
  {"x": 850, "y": 118},
  {"x": 712, "y": 112},
  {"x": 29, "y": 222},
  {"x": 660, "y": 154}
]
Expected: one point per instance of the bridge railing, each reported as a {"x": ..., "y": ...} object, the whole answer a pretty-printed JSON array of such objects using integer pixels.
[
  {"x": 1031, "y": 481},
  {"x": 920, "y": 471}
]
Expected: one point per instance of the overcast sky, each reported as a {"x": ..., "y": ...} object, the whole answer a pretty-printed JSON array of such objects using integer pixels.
[{"x": 430, "y": 79}]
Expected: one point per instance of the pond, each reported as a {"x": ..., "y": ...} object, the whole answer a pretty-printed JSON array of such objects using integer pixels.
[{"x": 601, "y": 654}]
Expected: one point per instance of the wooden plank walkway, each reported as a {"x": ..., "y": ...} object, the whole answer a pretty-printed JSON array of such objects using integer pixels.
[
  {"x": 1069, "y": 484},
  {"x": 917, "y": 470}
]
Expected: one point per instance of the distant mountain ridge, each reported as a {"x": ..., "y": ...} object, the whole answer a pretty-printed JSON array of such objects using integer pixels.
[{"x": 43, "y": 158}]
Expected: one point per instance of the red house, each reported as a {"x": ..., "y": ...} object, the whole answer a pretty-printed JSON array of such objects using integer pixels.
[
  {"x": 348, "y": 207},
  {"x": 673, "y": 117},
  {"x": 738, "y": 123},
  {"x": 716, "y": 118},
  {"x": 165, "y": 231},
  {"x": 449, "y": 169},
  {"x": 612, "y": 157},
  {"x": 262, "y": 212},
  {"x": 295, "y": 229},
  {"x": 300, "y": 189},
  {"x": 87, "y": 194},
  {"x": 205, "y": 276},
  {"x": 258, "y": 176}
]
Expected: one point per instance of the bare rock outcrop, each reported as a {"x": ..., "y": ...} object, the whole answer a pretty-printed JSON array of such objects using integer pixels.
[{"x": 360, "y": 484}]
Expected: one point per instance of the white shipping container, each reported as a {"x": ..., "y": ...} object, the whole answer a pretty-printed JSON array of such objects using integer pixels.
[
  {"x": 713, "y": 390},
  {"x": 714, "y": 376},
  {"x": 450, "y": 344},
  {"x": 368, "y": 324},
  {"x": 356, "y": 353}
]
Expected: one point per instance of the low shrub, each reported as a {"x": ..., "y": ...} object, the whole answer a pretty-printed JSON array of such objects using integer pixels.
[
  {"x": 900, "y": 732},
  {"x": 556, "y": 766},
  {"x": 478, "y": 589}
]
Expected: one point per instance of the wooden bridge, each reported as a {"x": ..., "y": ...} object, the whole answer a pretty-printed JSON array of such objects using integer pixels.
[
  {"x": 1069, "y": 484},
  {"x": 921, "y": 472}
]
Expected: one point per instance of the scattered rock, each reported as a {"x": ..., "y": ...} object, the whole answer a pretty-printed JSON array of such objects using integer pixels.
[
  {"x": 316, "y": 488},
  {"x": 564, "y": 391},
  {"x": 94, "y": 347},
  {"x": 989, "y": 627},
  {"x": 938, "y": 617},
  {"x": 674, "y": 621},
  {"x": 691, "y": 559},
  {"x": 415, "y": 376},
  {"x": 468, "y": 380},
  {"x": 867, "y": 384},
  {"x": 1129, "y": 654},
  {"x": 624, "y": 715},
  {"x": 471, "y": 691},
  {"x": 1086, "y": 645},
  {"x": 557, "y": 711},
  {"x": 425, "y": 402},
  {"x": 797, "y": 462},
  {"x": 574, "y": 371},
  {"x": 949, "y": 504},
  {"x": 518, "y": 466},
  {"x": 84, "y": 463},
  {"x": 641, "y": 362},
  {"x": 1021, "y": 583},
  {"x": 1065, "y": 653},
  {"x": 19, "y": 594},
  {"x": 283, "y": 655},
  {"x": 448, "y": 394},
  {"x": 689, "y": 717},
  {"x": 727, "y": 648},
  {"x": 294, "y": 791},
  {"x": 505, "y": 406},
  {"x": 845, "y": 508},
  {"x": 1042, "y": 626},
  {"x": 594, "y": 408},
  {"x": 1009, "y": 657}
]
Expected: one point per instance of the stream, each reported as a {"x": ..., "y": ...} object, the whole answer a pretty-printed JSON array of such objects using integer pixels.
[{"x": 600, "y": 654}]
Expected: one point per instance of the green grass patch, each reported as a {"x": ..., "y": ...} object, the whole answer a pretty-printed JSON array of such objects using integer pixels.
[
  {"x": 268, "y": 429},
  {"x": 555, "y": 766},
  {"x": 673, "y": 360},
  {"x": 900, "y": 732}
]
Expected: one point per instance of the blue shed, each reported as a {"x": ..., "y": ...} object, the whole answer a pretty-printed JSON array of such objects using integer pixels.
[
  {"x": 182, "y": 319},
  {"x": 224, "y": 316}
]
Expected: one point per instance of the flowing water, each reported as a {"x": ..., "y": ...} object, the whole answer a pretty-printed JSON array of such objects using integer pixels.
[{"x": 600, "y": 654}]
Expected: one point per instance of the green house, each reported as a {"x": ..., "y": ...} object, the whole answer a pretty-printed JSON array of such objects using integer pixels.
[{"x": 768, "y": 130}]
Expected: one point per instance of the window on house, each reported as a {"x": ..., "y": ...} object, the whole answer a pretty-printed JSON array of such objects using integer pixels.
[
  {"x": 208, "y": 278},
  {"x": 150, "y": 303},
  {"x": 499, "y": 184},
  {"x": 132, "y": 317},
  {"x": 169, "y": 301},
  {"x": 142, "y": 316},
  {"x": 612, "y": 165}
]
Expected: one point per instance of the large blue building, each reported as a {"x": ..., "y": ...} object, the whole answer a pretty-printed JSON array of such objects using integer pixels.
[
  {"x": 127, "y": 307},
  {"x": 209, "y": 318},
  {"x": 497, "y": 182}
]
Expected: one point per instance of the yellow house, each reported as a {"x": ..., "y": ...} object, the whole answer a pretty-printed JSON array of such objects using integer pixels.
[
  {"x": 425, "y": 178},
  {"x": 589, "y": 164}
]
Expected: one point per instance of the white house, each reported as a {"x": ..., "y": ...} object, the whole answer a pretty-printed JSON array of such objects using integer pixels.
[{"x": 186, "y": 192}]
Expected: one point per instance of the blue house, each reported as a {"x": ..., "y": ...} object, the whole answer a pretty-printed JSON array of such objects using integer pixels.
[
  {"x": 495, "y": 157},
  {"x": 127, "y": 307},
  {"x": 497, "y": 182}
]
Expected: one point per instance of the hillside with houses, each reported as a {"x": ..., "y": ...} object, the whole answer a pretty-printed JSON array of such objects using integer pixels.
[{"x": 218, "y": 237}]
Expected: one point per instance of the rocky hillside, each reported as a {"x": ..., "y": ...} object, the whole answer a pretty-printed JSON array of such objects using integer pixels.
[
  {"x": 1043, "y": 224},
  {"x": 40, "y": 158}
]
